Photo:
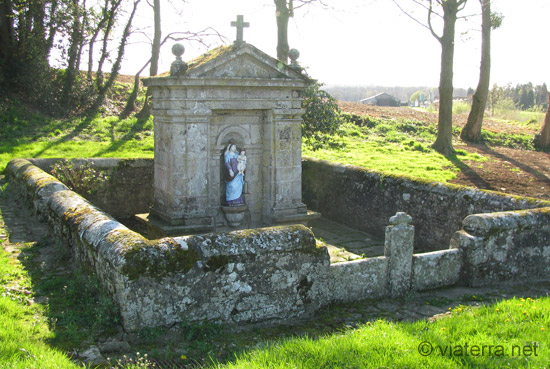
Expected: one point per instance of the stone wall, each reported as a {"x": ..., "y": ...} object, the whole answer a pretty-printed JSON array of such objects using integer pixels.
[
  {"x": 275, "y": 274},
  {"x": 129, "y": 189},
  {"x": 365, "y": 200},
  {"x": 251, "y": 276},
  {"x": 505, "y": 245}
]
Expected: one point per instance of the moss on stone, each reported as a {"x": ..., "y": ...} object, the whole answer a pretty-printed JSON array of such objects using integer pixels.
[
  {"x": 146, "y": 258},
  {"x": 211, "y": 55},
  {"x": 204, "y": 58},
  {"x": 216, "y": 262}
]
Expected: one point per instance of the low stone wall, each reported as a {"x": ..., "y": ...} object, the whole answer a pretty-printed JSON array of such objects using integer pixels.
[
  {"x": 129, "y": 189},
  {"x": 366, "y": 200},
  {"x": 437, "y": 269},
  {"x": 274, "y": 274},
  {"x": 270, "y": 274},
  {"x": 505, "y": 245}
]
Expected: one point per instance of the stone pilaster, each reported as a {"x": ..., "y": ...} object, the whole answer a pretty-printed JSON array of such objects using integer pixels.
[{"x": 398, "y": 248}]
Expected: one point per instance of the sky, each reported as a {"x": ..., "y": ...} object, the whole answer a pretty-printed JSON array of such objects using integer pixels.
[{"x": 368, "y": 42}]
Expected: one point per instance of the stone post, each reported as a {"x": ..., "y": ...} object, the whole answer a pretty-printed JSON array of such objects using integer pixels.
[{"x": 398, "y": 248}]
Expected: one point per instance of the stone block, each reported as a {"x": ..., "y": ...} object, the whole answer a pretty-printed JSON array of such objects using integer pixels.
[
  {"x": 398, "y": 248},
  {"x": 437, "y": 269},
  {"x": 358, "y": 280}
]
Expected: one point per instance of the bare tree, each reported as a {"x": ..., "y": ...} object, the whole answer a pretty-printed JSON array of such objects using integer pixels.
[
  {"x": 103, "y": 86},
  {"x": 110, "y": 11},
  {"x": 489, "y": 21},
  {"x": 173, "y": 36},
  {"x": 284, "y": 9},
  {"x": 450, "y": 8},
  {"x": 156, "y": 44}
]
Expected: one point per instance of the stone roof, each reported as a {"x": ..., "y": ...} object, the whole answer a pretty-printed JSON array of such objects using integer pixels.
[{"x": 240, "y": 60}]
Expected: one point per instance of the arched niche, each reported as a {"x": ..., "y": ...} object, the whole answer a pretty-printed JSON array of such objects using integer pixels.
[{"x": 237, "y": 135}]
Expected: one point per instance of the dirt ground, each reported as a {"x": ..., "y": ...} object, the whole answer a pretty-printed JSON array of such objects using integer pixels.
[{"x": 518, "y": 172}]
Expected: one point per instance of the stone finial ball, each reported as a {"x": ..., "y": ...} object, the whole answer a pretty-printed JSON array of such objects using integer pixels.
[
  {"x": 293, "y": 54},
  {"x": 178, "y": 49}
]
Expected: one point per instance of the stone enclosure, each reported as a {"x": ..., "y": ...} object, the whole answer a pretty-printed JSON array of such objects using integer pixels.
[
  {"x": 224, "y": 269},
  {"x": 270, "y": 275}
]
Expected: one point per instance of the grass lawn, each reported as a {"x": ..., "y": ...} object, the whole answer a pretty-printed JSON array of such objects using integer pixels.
[
  {"x": 401, "y": 148},
  {"x": 24, "y": 134},
  {"x": 510, "y": 334},
  {"x": 24, "y": 330}
]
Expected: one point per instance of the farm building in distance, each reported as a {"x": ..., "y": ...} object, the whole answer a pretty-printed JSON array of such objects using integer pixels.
[{"x": 381, "y": 99}]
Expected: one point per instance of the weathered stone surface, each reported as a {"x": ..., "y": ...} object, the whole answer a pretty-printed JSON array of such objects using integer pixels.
[
  {"x": 400, "y": 218},
  {"x": 92, "y": 356},
  {"x": 505, "y": 245},
  {"x": 234, "y": 94},
  {"x": 128, "y": 179},
  {"x": 366, "y": 200},
  {"x": 398, "y": 248},
  {"x": 273, "y": 274},
  {"x": 248, "y": 276},
  {"x": 436, "y": 269},
  {"x": 357, "y": 280}
]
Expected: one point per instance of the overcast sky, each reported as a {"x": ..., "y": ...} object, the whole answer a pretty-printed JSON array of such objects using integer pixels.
[{"x": 370, "y": 42}]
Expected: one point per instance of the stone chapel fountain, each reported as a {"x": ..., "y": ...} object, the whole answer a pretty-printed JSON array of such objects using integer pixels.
[{"x": 232, "y": 100}]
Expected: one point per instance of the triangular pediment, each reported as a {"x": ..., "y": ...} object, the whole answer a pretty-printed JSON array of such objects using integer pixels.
[{"x": 241, "y": 61}]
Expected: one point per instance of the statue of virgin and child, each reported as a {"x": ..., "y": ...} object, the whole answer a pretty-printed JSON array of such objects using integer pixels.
[{"x": 235, "y": 166}]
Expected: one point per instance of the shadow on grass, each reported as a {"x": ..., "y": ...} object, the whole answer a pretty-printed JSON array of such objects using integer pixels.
[
  {"x": 78, "y": 314},
  {"x": 68, "y": 137},
  {"x": 470, "y": 173},
  {"x": 524, "y": 167},
  {"x": 118, "y": 143},
  {"x": 76, "y": 308}
]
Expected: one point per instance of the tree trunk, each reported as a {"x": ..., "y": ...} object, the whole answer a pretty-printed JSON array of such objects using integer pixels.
[
  {"x": 472, "y": 129},
  {"x": 6, "y": 37},
  {"x": 444, "y": 140},
  {"x": 153, "y": 69},
  {"x": 282, "y": 15},
  {"x": 76, "y": 38},
  {"x": 131, "y": 103},
  {"x": 155, "y": 49},
  {"x": 110, "y": 16},
  {"x": 116, "y": 65},
  {"x": 542, "y": 140}
]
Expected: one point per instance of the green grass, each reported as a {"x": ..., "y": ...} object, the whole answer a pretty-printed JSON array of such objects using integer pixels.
[
  {"x": 25, "y": 134},
  {"x": 77, "y": 312},
  {"x": 525, "y": 118},
  {"x": 511, "y": 334},
  {"x": 24, "y": 330},
  {"x": 387, "y": 145},
  {"x": 394, "y": 147}
]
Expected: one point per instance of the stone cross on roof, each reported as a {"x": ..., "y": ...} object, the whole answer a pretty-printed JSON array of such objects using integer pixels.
[{"x": 240, "y": 24}]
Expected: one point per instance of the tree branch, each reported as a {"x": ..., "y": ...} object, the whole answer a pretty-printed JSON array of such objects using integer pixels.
[
  {"x": 310, "y": 2},
  {"x": 430, "y": 12},
  {"x": 194, "y": 36},
  {"x": 408, "y": 15},
  {"x": 418, "y": 2}
]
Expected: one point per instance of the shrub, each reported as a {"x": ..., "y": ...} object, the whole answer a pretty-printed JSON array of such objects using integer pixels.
[
  {"x": 322, "y": 118},
  {"x": 461, "y": 107},
  {"x": 82, "y": 179}
]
